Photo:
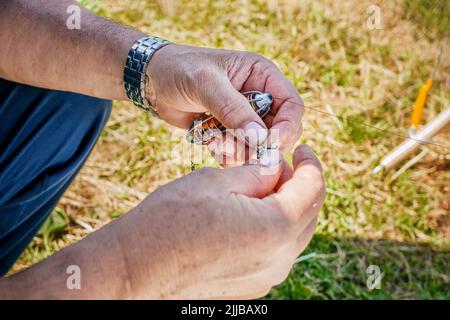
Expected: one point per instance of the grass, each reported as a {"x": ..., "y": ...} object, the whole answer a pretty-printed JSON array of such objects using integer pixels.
[{"x": 399, "y": 222}]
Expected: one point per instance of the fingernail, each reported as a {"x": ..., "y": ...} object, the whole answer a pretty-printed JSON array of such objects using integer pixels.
[
  {"x": 306, "y": 147},
  {"x": 254, "y": 133},
  {"x": 270, "y": 158}
]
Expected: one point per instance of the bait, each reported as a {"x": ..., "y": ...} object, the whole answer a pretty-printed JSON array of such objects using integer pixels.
[{"x": 206, "y": 127}]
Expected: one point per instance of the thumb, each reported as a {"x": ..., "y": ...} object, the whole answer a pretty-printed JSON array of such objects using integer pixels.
[
  {"x": 255, "y": 180},
  {"x": 233, "y": 110},
  {"x": 303, "y": 194}
]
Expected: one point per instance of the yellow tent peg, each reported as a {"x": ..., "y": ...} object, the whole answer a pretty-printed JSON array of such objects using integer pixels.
[{"x": 420, "y": 103}]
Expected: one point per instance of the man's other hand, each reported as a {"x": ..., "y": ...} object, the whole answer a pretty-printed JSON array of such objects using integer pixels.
[{"x": 223, "y": 234}]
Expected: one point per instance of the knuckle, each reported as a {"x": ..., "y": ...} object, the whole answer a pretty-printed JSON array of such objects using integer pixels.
[
  {"x": 251, "y": 56},
  {"x": 258, "y": 62},
  {"x": 227, "y": 112},
  {"x": 261, "y": 59},
  {"x": 292, "y": 134}
]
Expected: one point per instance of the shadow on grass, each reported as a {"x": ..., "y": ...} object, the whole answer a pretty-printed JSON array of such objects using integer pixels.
[{"x": 338, "y": 271}]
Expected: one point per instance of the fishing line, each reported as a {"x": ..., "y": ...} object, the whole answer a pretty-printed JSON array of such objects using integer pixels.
[{"x": 389, "y": 132}]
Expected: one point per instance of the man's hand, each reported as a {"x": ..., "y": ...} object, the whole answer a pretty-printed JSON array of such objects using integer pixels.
[
  {"x": 231, "y": 233},
  {"x": 185, "y": 81}
]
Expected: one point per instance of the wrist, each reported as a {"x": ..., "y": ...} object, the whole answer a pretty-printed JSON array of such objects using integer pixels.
[
  {"x": 120, "y": 48},
  {"x": 135, "y": 76},
  {"x": 111, "y": 47}
]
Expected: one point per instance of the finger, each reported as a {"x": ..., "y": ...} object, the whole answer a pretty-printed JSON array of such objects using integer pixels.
[
  {"x": 233, "y": 110},
  {"x": 180, "y": 119},
  {"x": 254, "y": 180},
  {"x": 231, "y": 152},
  {"x": 304, "y": 193},
  {"x": 286, "y": 128},
  {"x": 286, "y": 174},
  {"x": 306, "y": 235},
  {"x": 287, "y": 108},
  {"x": 226, "y": 161}
]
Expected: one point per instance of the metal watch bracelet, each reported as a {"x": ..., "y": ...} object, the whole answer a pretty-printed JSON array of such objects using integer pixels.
[{"x": 134, "y": 75}]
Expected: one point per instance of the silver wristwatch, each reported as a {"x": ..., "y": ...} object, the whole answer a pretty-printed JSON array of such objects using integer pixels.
[{"x": 134, "y": 75}]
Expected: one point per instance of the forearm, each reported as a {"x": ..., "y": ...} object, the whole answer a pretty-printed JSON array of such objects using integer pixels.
[
  {"x": 132, "y": 257},
  {"x": 37, "y": 48},
  {"x": 103, "y": 272}
]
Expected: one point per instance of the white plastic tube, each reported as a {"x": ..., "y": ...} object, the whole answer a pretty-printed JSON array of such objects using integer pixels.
[{"x": 410, "y": 145}]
